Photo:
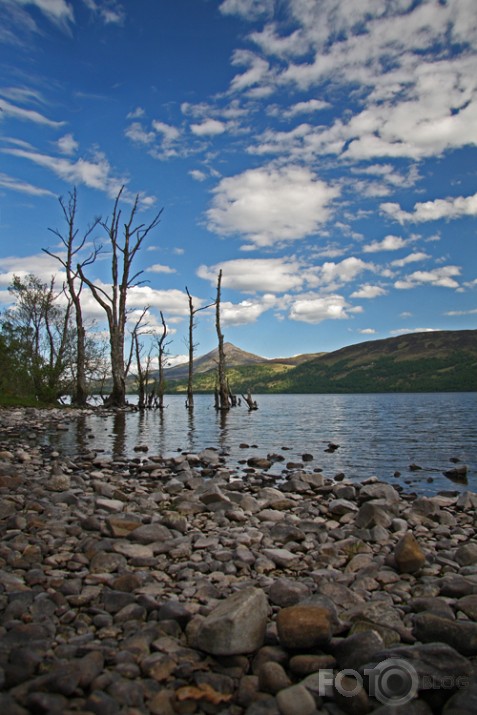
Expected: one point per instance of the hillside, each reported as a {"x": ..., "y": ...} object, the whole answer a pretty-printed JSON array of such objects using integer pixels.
[
  {"x": 440, "y": 361},
  {"x": 235, "y": 357}
]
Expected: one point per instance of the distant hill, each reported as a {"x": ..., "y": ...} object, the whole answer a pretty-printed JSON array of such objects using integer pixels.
[
  {"x": 235, "y": 357},
  {"x": 441, "y": 361}
]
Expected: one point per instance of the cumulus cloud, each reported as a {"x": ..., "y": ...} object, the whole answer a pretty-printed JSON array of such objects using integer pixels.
[
  {"x": 209, "y": 127},
  {"x": 245, "y": 312},
  {"x": 270, "y": 205},
  {"x": 451, "y": 208},
  {"x": 443, "y": 277},
  {"x": 159, "y": 268},
  {"x": 252, "y": 275},
  {"x": 247, "y": 9},
  {"x": 368, "y": 291},
  {"x": 389, "y": 243},
  {"x": 315, "y": 309},
  {"x": 411, "y": 258}
]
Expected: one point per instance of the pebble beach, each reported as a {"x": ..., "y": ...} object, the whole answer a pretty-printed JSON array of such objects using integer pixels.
[{"x": 178, "y": 585}]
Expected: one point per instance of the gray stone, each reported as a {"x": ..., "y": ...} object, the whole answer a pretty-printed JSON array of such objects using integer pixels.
[
  {"x": 464, "y": 702},
  {"x": 296, "y": 700},
  {"x": 148, "y": 533},
  {"x": 461, "y": 635},
  {"x": 237, "y": 625},
  {"x": 285, "y": 592}
]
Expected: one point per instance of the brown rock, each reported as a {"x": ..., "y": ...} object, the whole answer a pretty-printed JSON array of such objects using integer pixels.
[
  {"x": 304, "y": 626},
  {"x": 408, "y": 554}
]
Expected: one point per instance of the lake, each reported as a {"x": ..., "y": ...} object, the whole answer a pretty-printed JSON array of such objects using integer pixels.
[{"x": 378, "y": 434}]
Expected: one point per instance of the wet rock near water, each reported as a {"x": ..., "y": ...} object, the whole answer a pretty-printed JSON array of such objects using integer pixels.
[{"x": 175, "y": 586}]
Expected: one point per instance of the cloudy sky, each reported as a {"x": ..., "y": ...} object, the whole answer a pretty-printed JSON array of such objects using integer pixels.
[{"x": 322, "y": 153}]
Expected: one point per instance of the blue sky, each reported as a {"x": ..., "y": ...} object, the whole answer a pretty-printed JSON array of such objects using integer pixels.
[{"x": 322, "y": 153}]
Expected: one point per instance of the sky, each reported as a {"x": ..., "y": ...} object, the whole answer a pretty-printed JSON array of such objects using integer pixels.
[{"x": 321, "y": 153}]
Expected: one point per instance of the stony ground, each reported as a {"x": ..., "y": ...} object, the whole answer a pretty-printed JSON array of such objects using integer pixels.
[{"x": 172, "y": 587}]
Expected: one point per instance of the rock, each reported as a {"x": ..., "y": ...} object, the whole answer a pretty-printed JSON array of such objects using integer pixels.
[
  {"x": 434, "y": 664},
  {"x": 408, "y": 554},
  {"x": 372, "y": 514},
  {"x": 237, "y": 625},
  {"x": 285, "y": 592},
  {"x": 341, "y": 506},
  {"x": 148, "y": 533},
  {"x": 304, "y": 626},
  {"x": 466, "y": 555},
  {"x": 296, "y": 700},
  {"x": 461, "y": 635},
  {"x": 357, "y": 649},
  {"x": 283, "y": 558},
  {"x": 259, "y": 463},
  {"x": 464, "y": 702},
  {"x": 272, "y": 678}
]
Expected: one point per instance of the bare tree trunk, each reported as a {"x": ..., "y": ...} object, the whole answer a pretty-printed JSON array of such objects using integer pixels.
[
  {"x": 74, "y": 287},
  {"x": 222, "y": 399},
  {"x": 161, "y": 343},
  {"x": 115, "y": 303},
  {"x": 191, "y": 347},
  {"x": 190, "y": 391}
]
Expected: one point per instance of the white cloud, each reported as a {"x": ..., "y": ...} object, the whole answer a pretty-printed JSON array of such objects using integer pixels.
[
  {"x": 457, "y": 313},
  {"x": 333, "y": 275},
  {"x": 94, "y": 173},
  {"x": 251, "y": 275},
  {"x": 389, "y": 243},
  {"x": 67, "y": 144},
  {"x": 411, "y": 258},
  {"x": 245, "y": 312},
  {"x": 136, "y": 113},
  {"x": 109, "y": 11},
  {"x": 367, "y": 331},
  {"x": 307, "y": 107},
  {"x": 443, "y": 277},
  {"x": 138, "y": 134},
  {"x": 159, "y": 268},
  {"x": 209, "y": 127},
  {"x": 247, "y": 9},
  {"x": 41, "y": 265},
  {"x": 169, "y": 132},
  {"x": 197, "y": 175},
  {"x": 368, "y": 291},
  {"x": 57, "y": 11},
  {"x": 269, "y": 205},
  {"x": 450, "y": 208},
  {"x": 407, "y": 331},
  {"x": 29, "y": 115},
  {"x": 315, "y": 309},
  {"x": 257, "y": 71},
  {"x": 9, "y": 182}
]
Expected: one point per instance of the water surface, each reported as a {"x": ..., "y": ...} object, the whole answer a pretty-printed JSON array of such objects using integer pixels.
[{"x": 378, "y": 434}]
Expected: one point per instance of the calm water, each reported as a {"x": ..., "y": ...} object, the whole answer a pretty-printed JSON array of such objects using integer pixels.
[{"x": 378, "y": 434}]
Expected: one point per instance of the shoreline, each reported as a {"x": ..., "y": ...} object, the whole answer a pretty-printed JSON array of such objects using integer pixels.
[{"x": 153, "y": 585}]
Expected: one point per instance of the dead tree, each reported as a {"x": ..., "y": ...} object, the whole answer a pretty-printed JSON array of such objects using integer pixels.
[
  {"x": 222, "y": 390},
  {"x": 74, "y": 286},
  {"x": 114, "y": 303},
  {"x": 136, "y": 350},
  {"x": 191, "y": 347},
  {"x": 161, "y": 345},
  {"x": 252, "y": 404}
]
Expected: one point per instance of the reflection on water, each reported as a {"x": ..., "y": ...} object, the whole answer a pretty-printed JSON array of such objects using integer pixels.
[{"x": 378, "y": 434}]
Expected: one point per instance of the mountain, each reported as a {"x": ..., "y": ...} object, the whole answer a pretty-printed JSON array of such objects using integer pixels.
[
  {"x": 234, "y": 356},
  {"x": 440, "y": 361}
]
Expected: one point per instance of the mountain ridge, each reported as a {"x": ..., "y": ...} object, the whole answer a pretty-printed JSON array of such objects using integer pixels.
[{"x": 413, "y": 362}]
